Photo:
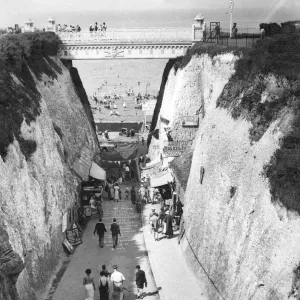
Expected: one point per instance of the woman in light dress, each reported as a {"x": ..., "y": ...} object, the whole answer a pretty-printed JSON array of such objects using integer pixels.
[
  {"x": 112, "y": 191},
  {"x": 89, "y": 285}
]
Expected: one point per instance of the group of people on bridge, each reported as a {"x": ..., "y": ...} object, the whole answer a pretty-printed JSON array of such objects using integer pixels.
[
  {"x": 68, "y": 28},
  {"x": 96, "y": 27}
]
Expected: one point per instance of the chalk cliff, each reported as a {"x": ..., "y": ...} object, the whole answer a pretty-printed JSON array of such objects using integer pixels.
[
  {"x": 242, "y": 222},
  {"x": 37, "y": 182}
]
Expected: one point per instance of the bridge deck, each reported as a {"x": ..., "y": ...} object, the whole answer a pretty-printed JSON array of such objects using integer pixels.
[{"x": 129, "y": 35}]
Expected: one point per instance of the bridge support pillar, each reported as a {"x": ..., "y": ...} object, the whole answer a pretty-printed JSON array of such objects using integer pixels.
[
  {"x": 67, "y": 63},
  {"x": 199, "y": 29}
]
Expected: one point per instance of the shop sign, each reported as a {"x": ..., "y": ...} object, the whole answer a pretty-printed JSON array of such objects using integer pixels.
[
  {"x": 73, "y": 236},
  {"x": 175, "y": 148},
  {"x": 190, "y": 121},
  {"x": 164, "y": 120}
]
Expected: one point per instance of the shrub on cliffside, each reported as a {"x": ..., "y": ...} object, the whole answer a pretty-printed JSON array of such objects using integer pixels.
[
  {"x": 19, "y": 98},
  {"x": 278, "y": 57},
  {"x": 267, "y": 84},
  {"x": 15, "y": 47},
  {"x": 270, "y": 28}
]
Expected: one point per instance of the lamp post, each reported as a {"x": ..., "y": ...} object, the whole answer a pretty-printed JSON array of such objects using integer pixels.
[{"x": 231, "y": 5}]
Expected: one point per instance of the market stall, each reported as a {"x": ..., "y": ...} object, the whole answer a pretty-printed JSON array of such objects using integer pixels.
[{"x": 92, "y": 190}]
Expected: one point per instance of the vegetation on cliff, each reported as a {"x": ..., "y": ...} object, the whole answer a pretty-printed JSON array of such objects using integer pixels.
[
  {"x": 200, "y": 48},
  {"x": 20, "y": 55},
  {"x": 243, "y": 96}
]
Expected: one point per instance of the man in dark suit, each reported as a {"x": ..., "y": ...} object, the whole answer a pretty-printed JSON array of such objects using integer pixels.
[
  {"x": 115, "y": 231},
  {"x": 100, "y": 229},
  {"x": 140, "y": 280}
]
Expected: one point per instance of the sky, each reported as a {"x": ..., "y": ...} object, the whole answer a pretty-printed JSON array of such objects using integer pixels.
[{"x": 18, "y": 11}]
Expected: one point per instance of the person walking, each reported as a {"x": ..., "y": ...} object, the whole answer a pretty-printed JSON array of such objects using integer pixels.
[
  {"x": 99, "y": 209},
  {"x": 169, "y": 224},
  {"x": 107, "y": 274},
  {"x": 151, "y": 194},
  {"x": 127, "y": 193},
  {"x": 262, "y": 33},
  {"x": 103, "y": 286},
  {"x": 112, "y": 191},
  {"x": 100, "y": 229},
  {"x": 89, "y": 285},
  {"x": 117, "y": 279},
  {"x": 124, "y": 105},
  {"x": 142, "y": 193},
  {"x": 133, "y": 195},
  {"x": 161, "y": 218},
  {"x": 152, "y": 213},
  {"x": 120, "y": 194},
  {"x": 115, "y": 231},
  {"x": 154, "y": 226},
  {"x": 143, "y": 140},
  {"x": 116, "y": 192},
  {"x": 141, "y": 281},
  {"x": 234, "y": 30},
  {"x": 217, "y": 32},
  {"x": 127, "y": 173}
]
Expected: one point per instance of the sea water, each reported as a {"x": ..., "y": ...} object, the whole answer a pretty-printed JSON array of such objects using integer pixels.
[{"x": 118, "y": 72}]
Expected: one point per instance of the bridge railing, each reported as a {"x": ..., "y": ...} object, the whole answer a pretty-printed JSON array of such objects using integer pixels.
[{"x": 128, "y": 35}]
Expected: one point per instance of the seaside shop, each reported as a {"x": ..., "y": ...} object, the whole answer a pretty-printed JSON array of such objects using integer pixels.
[{"x": 75, "y": 218}]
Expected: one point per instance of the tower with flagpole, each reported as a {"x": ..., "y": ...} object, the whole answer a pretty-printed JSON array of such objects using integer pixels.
[{"x": 231, "y": 5}]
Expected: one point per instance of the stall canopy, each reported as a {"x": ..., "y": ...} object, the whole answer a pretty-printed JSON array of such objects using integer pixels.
[
  {"x": 161, "y": 178},
  {"x": 97, "y": 172}
]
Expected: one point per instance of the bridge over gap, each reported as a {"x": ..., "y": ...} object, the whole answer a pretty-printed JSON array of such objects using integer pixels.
[
  {"x": 145, "y": 43},
  {"x": 130, "y": 43}
]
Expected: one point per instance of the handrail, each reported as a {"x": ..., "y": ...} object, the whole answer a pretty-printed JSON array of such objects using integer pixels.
[
  {"x": 122, "y": 34},
  {"x": 202, "y": 267}
]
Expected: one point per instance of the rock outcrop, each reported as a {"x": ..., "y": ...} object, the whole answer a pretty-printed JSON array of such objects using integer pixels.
[
  {"x": 39, "y": 185},
  {"x": 241, "y": 226}
]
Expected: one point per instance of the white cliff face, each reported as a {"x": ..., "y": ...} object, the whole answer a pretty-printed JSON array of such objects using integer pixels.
[
  {"x": 248, "y": 245},
  {"x": 188, "y": 92},
  {"x": 34, "y": 194}
]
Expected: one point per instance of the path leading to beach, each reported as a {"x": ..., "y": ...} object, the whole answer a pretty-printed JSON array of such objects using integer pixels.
[{"x": 130, "y": 252}]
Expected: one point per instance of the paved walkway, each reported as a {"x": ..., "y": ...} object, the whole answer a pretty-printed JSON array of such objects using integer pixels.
[
  {"x": 131, "y": 251},
  {"x": 172, "y": 276}
]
